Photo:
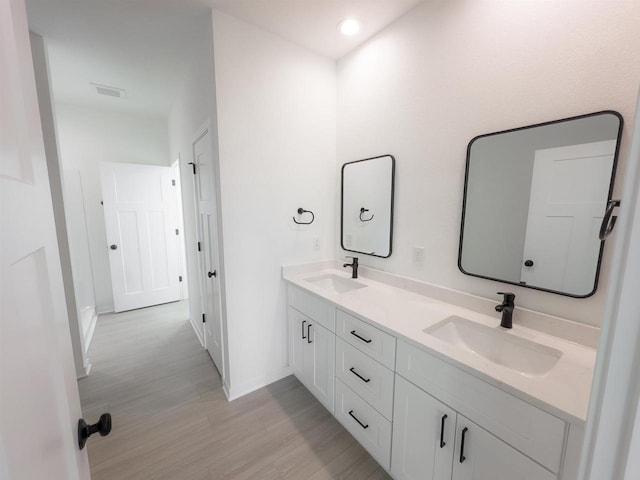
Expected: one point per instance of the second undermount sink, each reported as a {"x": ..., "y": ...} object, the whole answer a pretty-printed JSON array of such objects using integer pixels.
[
  {"x": 496, "y": 345},
  {"x": 335, "y": 283}
]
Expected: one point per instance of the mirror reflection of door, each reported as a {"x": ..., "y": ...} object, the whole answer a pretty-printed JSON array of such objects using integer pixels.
[{"x": 565, "y": 213}]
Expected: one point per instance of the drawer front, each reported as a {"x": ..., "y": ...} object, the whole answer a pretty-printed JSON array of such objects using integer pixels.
[
  {"x": 371, "y": 429},
  {"x": 313, "y": 307},
  {"x": 534, "y": 432},
  {"x": 368, "y": 378},
  {"x": 374, "y": 342}
]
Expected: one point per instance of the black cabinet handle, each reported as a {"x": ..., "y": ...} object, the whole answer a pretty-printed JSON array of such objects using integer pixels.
[
  {"x": 212, "y": 274},
  {"x": 442, "y": 443},
  {"x": 85, "y": 431},
  {"x": 356, "y": 419},
  {"x": 365, "y": 340},
  {"x": 528, "y": 263},
  {"x": 365, "y": 380},
  {"x": 113, "y": 247},
  {"x": 464, "y": 433},
  {"x": 303, "y": 322},
  {"x": 309, "y": 333}
]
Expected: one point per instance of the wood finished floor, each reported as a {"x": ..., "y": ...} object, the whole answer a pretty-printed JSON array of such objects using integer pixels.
[{"x": 171, "y": 419}]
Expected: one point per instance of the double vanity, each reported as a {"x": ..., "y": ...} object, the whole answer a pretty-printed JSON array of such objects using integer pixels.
[{"x": 434, "y": 390}]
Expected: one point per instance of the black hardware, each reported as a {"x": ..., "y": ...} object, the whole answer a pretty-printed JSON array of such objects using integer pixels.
[
  {"x": 362, "y": 211},
  {"x": 528, "y": 263},
  {"x": 365, "y": 340},
  {"x": 300, "y": 212},
  {"x": 85, "y": 431},
  {"x": 193, "y": 167},
  {"x": 303, "y": 322},
  {"x": 309, "y": 333},
  {"x": 464, "y": 434},
  {"x": 356, "y": 419},
  {"x": 442, "y": 443},
  {"x": 203, "y": 319},
  {"x": 365, "y": 380},
  {"x": 393, "y": 176},
  {"x": 177, "y": 232},
  {"x": 506, "y": 307},
  {"x": 179, "y": 278},
  {"x": 101, "y": 202},
  {"x": 173, "y": 182},
  {"x": 113, "y": 247},
  {"x": 609, "y": 221},
  {"x": 353, "y": 265},
  {"x": 212, "y": 274},
  {"x": 199, "y": 247},
  {"x": 611, "y": 185}
]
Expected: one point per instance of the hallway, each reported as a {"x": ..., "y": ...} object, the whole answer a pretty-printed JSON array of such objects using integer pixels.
[{"x": 171, "y": 419}]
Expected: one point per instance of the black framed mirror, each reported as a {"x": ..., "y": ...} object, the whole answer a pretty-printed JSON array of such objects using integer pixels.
[
  {"x": 366, "y": 215},
  {"x": 534, "y": 202}
]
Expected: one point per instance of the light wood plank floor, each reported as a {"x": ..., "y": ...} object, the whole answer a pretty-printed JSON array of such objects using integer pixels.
[{"x": 171, "y": 419}]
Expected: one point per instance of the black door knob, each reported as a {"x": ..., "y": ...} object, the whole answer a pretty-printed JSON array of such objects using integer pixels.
[
  {"x": 212, "y": 274},
  {"x": 85, "y": 431},
  {"x": 528, "y": 263},
  {"x": 113, "y": 247}
]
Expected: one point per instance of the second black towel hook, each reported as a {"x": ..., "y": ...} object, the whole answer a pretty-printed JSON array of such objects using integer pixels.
[
  {"x": 363, "y": 211},
  {"x": 302, "y": 211}
]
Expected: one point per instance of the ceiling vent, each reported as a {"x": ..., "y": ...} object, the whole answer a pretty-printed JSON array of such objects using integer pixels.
[{"x": 109, "y": 91}]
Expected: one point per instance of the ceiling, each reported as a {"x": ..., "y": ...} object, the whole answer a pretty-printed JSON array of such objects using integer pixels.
[{"x": 143, "y": 46}]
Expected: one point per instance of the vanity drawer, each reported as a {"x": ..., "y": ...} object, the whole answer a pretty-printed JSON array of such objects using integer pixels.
[
  {"x": 534, "y": 432},
  {"x": 313, "y": 307},
  {"x": 374, "y": 342},
  {"x": 371, "y": 429},
  {"x": 368, "y": 378}
]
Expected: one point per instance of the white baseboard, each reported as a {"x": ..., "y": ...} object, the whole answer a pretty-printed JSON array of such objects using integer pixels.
[
  {"x": 105, "y": 309},
  {"x": 233, "y": 393},
  {"x": 195, "y": 329},
  {"x": 88, "y": 320}
]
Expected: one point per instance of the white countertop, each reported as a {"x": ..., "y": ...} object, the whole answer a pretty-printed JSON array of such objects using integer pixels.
[{"x": 563, "y": 391}]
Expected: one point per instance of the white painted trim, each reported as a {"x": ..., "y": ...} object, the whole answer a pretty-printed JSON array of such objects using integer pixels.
[
  {"x": 194, "y": 325},
  {"x": 105, "y": 309},
  {"x": 233, "y": 393},
  {"x": 616, "y": 385},
  {"x": 89, "y": 312}
]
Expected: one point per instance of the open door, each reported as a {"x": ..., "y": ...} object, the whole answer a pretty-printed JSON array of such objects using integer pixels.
[{"x": 39, "y": 402}]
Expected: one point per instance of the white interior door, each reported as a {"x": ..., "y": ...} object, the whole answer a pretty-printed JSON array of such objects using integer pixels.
[
  {"x": 39, "y": 403},
  {"x": 209, "y": 255},
  {"x": 569, "y": 192},
  {"x": 139, "y": 215}
]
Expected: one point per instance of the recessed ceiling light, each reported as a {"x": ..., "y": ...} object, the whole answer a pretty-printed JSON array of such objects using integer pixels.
[{"x": 349, "y": 27}]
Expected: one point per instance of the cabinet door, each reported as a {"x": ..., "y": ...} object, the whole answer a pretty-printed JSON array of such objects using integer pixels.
[
  {"x": 481, "y": 456},
  {"x": 319, "y": 363},
  {"x": 297, "y": 342},
  {"x": 423, "y": 435}
]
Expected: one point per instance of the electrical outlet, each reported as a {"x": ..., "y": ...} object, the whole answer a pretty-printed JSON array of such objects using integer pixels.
[
  {"x": 418, "y": 256},
  {"x": 316, "y": 243}
]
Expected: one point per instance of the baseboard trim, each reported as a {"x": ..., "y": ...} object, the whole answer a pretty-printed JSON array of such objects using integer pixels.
[
  {"x": 195, "y": 329},
  {"x": 233, "y": 393},
  {"x": 90, "y": 313},
  {"x": 105, "y": 309}
]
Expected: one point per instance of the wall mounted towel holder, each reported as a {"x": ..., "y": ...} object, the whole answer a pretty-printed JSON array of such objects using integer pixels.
[
  {"x": 362, "y": 212},
  {"x": 302, "y": 211}
]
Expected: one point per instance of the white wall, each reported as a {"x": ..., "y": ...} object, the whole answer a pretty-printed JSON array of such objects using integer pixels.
[
  {"x": 88, "y": 136},
  {"x": 448, "y": 71},
  {"x": 276, "y": 128}
]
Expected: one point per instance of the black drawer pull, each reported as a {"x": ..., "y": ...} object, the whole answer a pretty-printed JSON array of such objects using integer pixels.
[
  {"x": 365, "y": 380},
  {"x": 309, "y": 333},
  {"x": 464, "y": 433},
  {"x": 356, "y": 419},
  {"x": 442, "y": 443},
  {"x": 303, "y": 322},
  {"x": 365, "y": 340}
]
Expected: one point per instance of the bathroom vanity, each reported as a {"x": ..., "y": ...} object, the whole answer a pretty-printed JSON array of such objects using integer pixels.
[{"x": 434, "y": 390}]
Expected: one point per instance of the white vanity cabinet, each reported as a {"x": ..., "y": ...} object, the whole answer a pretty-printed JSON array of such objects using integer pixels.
[{"x": 312, "y": 345}]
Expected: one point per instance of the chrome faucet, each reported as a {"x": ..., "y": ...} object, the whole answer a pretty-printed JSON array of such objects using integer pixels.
[
  {"x": 354, "y": 266},
  {"x": 506, "y": 307}
]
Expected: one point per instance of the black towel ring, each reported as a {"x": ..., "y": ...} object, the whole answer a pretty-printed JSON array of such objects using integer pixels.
[
  {"x": 362, "y": 211},
  {"x": 300, "y": 212}
]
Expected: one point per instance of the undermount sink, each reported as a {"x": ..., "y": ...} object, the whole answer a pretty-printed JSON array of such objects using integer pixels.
[
  {"x": 496, "y": 345},
  {"x": 336, "y": 283}
]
